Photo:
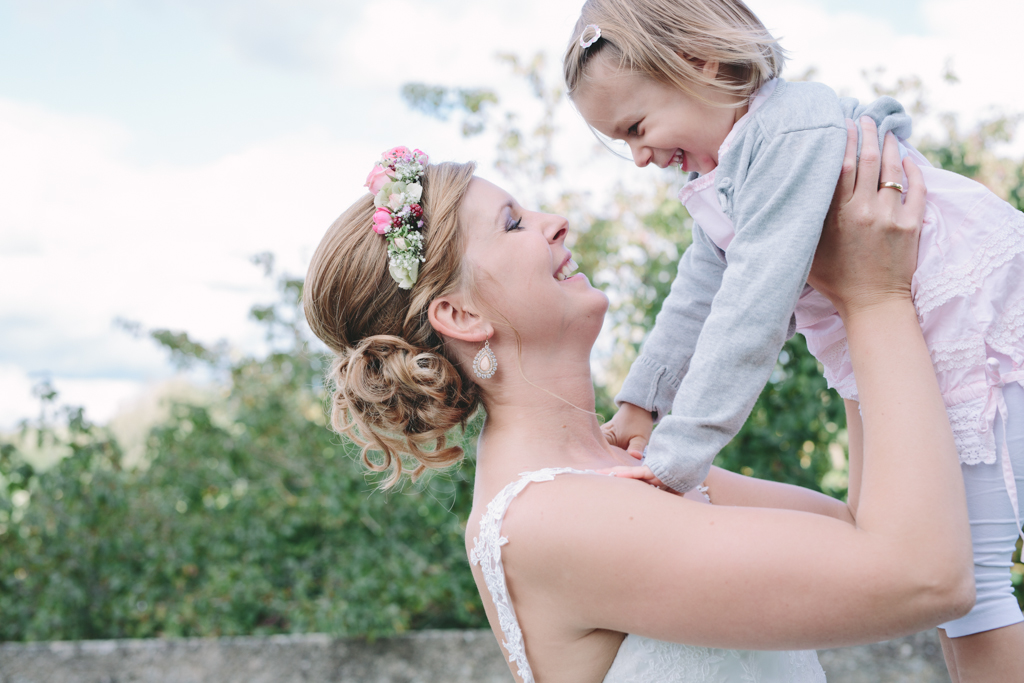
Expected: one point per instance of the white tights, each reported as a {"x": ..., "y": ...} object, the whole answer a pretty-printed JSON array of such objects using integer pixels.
[{"x": 993, "y": 529}]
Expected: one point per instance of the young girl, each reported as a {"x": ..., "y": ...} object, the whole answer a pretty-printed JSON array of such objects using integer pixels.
[{"x": 695, "y": 83}]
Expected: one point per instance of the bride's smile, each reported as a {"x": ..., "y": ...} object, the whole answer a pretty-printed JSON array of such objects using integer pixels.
[{"x": 518, "y": 266}]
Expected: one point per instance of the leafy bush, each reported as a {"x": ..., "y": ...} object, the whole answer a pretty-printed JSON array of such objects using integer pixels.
[{"x": 261, "y": 523}]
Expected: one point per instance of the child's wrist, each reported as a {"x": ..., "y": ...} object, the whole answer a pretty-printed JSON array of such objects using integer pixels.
[{"x": 636, "y": 410}]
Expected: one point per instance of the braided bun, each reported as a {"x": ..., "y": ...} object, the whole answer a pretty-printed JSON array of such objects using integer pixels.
[{"x": 395, "y": 389}]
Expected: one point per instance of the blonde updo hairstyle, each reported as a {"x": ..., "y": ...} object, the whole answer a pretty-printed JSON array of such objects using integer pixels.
[
  {"x": 670, "y": 40},
  {"x": 396, "y": 388}
]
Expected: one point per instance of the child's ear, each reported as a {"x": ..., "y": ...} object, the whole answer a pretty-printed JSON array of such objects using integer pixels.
[
  {"x": 709, "y": 68},
  {"x": 456, "y": 318}
]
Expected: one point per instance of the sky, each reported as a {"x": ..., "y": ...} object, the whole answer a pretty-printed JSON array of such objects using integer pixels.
[{"x": 149, "y": 148}]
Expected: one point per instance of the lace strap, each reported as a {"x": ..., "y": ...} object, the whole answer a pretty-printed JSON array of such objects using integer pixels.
[{"x": 487, "y": 553}]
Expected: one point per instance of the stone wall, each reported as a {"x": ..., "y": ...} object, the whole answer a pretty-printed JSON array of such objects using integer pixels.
[{"x": 423, "y": 657}]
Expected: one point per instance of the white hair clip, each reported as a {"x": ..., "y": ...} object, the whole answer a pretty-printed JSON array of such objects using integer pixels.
[{"x": 597, "y": 35}]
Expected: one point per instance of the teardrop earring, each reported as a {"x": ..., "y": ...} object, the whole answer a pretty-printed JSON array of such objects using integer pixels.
[{"x": 485, "y": 364}]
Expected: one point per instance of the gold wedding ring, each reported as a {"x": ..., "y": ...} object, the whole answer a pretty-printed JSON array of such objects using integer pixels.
[{"x": 895, "y": 186}]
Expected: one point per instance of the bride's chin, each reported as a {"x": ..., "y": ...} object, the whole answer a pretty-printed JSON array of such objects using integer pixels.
[
  {"x": 600, "y": 303},
  {"x": 594, "y": 316}
]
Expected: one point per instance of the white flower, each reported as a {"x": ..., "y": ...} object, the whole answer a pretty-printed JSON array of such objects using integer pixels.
[
  {"x": 405, "y": 276},
  {"x": 390, "y": 196},
  {"x": 382, "y": 196},
  {"x": 414, "y": 191}
]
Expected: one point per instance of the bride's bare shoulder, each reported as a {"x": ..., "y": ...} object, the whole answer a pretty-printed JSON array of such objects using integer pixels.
[
  {"x": 543, "y": 497},
  {"x": 575, "y": 511}
]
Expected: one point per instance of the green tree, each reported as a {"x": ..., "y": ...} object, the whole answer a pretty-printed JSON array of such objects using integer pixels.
[{"x": 249, "y": 516}]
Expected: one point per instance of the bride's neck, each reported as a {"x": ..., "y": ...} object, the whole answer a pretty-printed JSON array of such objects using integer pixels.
[{"x": 537, "y": 420}]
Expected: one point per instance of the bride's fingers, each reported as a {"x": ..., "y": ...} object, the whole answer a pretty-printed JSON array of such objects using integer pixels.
[
  {"x": 870, "y": 160},
  {"x": 892, "y": 170},
  {"x": 912, "y": 211},
  {"x": 848, "y": 174}
]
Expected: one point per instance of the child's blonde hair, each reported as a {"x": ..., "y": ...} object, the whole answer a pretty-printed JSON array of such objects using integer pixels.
[{"x": 671, "y": 40}]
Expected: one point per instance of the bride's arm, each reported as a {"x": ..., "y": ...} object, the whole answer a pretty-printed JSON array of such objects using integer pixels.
[
  {"x": 616, "y": 554},
  {"x": 855, "y": 453}
]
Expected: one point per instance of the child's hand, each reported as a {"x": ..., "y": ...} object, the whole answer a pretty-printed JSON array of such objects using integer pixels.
[
  {"x": 641, "y": 472},
  {"x": 629, "y": 429}
]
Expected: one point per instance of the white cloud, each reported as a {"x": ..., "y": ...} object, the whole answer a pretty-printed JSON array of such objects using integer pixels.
[
  {"x": 16, "y": 401},
  {"x": 101, "y": 398},
  {"x": 88, "y": 234},
  {"x": 980, "y": 45},
  {"x": 388, "y": 42}
]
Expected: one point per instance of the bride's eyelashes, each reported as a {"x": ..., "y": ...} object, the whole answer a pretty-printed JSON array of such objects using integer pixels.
[{"x": 510, "y": 226}]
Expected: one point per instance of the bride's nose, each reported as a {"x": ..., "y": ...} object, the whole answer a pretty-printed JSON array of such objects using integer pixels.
[{"x": 555, "y": 228}]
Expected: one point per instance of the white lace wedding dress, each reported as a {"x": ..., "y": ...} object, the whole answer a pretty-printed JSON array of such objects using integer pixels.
[{"x": 639, "y": 659}]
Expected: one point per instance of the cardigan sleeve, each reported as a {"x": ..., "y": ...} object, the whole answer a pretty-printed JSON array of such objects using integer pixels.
[
  {"x": 778, "y": 217},
  {"x": 654, "y": 377}
]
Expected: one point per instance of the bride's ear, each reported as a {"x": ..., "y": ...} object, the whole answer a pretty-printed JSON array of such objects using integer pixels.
[{"x": 453, "y": 317}]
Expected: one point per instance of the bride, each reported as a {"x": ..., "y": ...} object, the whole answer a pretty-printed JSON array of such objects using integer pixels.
[{"x": 439, "y": 294}]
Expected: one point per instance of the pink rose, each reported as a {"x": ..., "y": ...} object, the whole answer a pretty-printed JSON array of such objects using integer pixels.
[
  {"x": 396, "y": 153},
  {"x": 381, "y": 220},
  {"x": 421, "y": 157},
  {"x": 378, "y": 177}
]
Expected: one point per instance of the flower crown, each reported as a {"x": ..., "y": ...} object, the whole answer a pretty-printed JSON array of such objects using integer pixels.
[{"x": 395, "y": 184}]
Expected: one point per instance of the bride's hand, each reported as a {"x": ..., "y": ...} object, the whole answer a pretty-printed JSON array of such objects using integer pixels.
[{"x": 868, "y": 249}]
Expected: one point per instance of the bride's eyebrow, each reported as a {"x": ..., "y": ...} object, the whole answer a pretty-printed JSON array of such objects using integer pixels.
[{"x": 501, "y": 212}]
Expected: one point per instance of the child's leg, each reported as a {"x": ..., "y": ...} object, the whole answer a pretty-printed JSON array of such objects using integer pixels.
[
  {"x": 988, "y": 643},
  {"x": 949, "y": 655},
  {"x": 991, "y": 656}
]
